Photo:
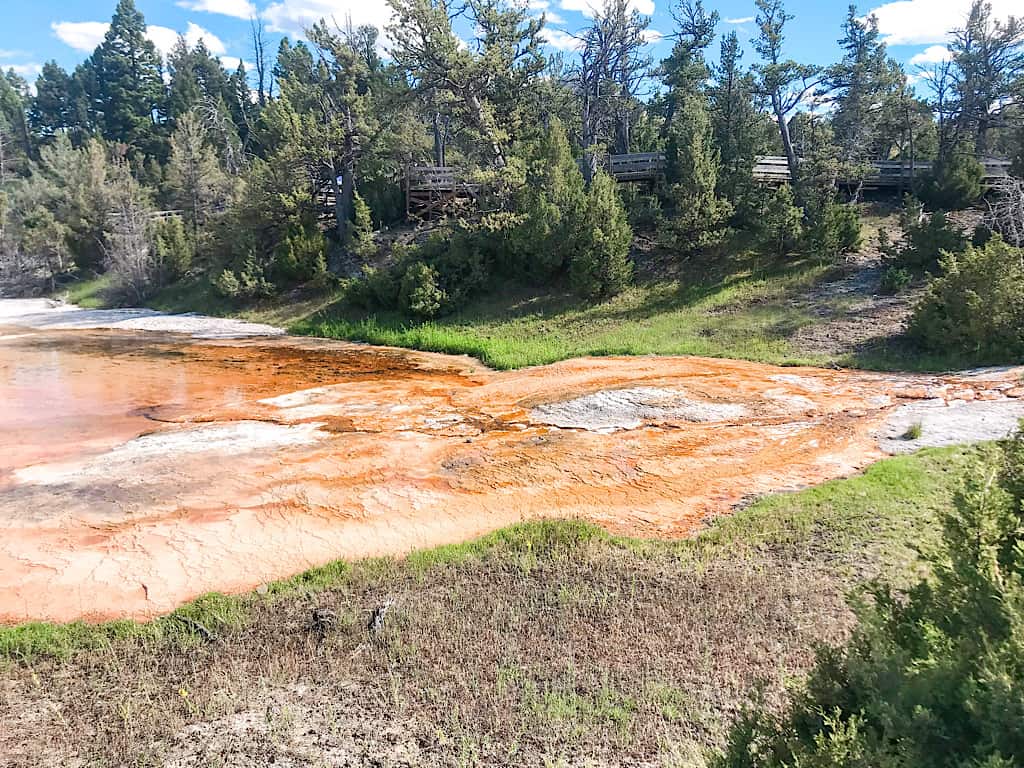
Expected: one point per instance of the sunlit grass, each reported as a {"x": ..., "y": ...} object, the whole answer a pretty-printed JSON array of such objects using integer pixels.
[{"x": 741, "y": 315}]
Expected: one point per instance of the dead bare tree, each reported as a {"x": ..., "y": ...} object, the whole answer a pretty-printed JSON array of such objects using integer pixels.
[
  {"x": 1006, "y": 210},
  {"x": 128, "y": 250},
  {"x": 258, "y": 34},
  {"x": 608, "y": 77}
]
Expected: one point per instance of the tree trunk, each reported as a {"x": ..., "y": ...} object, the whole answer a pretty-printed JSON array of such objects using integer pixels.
[
  {"x": 913, "y": 154},
  {"x": 343, "y": 202},
  {"x": 587, "y": 138},
  {"x": 439, "y": 142},
  {"x": 787, "y": 141},
  {"x": 622, "y": 133},
  {"x": 476, "y": 108}
]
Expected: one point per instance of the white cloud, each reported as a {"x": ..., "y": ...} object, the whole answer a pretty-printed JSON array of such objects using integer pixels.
[
  {"x": 214, "y": 44},
  {"x": 560, "y": 39},
  {"x": 240, "y": 9},
  {"x": 933, "y": 54},
  {"x": 164, "y": 38},
  {"x": 10, "y": 53},
  {"x": 293, "y": 17},
  {"x": 230, "y": 63},
  {"x": 740, "y": 20},
  {"x": 653, "y": 36},
  {"x": 922, "y": 22},
  {"x": 28, "y": 71},
  {"x": 590, "y": 7},
  {"x": 86, "y": 35},
  {"x": 80, "y": 35}
]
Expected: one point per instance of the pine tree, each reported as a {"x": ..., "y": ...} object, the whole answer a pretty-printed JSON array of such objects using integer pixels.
[
  {"x": 737, "y": 125},
  {"x": 601, "y": 265},
  {"x": 17, "y": 145},
  {"x": 783, "y": 82},
  {"x": 194, "y": 177},
  {"x": 51, "y": 111},
  {"x": 860, "y": 86},
  {"x": 699, "y": 215},
  {"x": 129, "y": 89},
  {"x": 553, "y": 202},
  {"x": 361, "y": 243}
]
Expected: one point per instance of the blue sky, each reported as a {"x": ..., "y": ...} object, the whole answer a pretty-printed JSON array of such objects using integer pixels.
[{"x": 34, "y": 31}]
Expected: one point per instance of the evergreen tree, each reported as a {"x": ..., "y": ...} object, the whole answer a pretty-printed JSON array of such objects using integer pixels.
[
  {"x": 860, "y": 86},
  {"x": 196, "y": 182},
  {"x": 600, "y": 265},
  {"x": 699, "y": 215},
  {"x": 783, "y": 82},
  {"x": 553, "y": 203},
  {"x": 933, "y": 678},
  {"x": 183, "y": 93},
  {"x": 15, "y": 142},
  {"x": 987, "y": 66},
  {"x": 52, "y": 110},
  {"x": 736, "y": 122},
  {"x": 692, "y": 159},
  {"x": 361, "y": 243},
  {"x": 128, "y": 91}
]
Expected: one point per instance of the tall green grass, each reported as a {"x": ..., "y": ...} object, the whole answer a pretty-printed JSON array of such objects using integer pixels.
[{"x": 740, "y": 314}]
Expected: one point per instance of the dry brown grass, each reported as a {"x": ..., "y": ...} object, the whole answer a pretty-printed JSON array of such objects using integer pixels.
[{"x": 518, "y": 657}]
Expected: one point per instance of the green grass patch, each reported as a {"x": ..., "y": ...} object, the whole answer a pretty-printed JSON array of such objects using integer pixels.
[
  {"x": 91, "y": 293},
  {"x": 892, "y": 508},
  {"x": 886, "y": 516},
  {"x": 738, "y": 309}
]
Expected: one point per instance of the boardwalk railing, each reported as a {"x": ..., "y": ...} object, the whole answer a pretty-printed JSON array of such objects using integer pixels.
[
  {"x": 772, "y": 169},
  {"x": 429, "y": 188},
  {"x": 639, "y": 166}
]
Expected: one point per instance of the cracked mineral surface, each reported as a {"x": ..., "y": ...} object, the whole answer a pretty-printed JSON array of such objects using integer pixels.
[{"x": 141, "y": 468}]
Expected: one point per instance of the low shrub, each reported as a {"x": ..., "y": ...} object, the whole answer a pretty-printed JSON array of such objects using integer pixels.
[
  {"x": 420, "y": 293},
  {"x": 977, "y": 305},
  {"x": 302, "y": 255},
  {"x": 248, "y": 282},
  {"x": 781, "y": 221},
  {"x": 173, "y": 247},
  {"x": 925, "y": 238},
  {"x": 933, "y": 678},
  {"x": 956, "y": 183},
  {"x": 894, "y": 280},
  {"x": 835, "y": 228}
]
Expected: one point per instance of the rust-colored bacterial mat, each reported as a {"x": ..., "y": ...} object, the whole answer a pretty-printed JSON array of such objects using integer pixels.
[{"x": 138, "y": 470}]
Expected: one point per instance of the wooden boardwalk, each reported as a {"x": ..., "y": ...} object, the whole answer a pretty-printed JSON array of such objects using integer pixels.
[
  {"x": 774, "y": 170},
  {"x": 429, "y": 189}
]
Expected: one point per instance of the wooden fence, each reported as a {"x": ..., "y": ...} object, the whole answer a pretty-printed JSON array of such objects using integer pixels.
[
  {"x": 885, "y": 173},
  {"x": 432, "y": 188}
]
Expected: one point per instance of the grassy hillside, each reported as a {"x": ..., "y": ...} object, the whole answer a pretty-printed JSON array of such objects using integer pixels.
[
  {"x": 734, "y": 306},
  {"x": 537, "y": 643},
  {"x": 734, "y": 303}
]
